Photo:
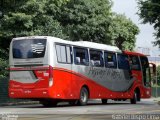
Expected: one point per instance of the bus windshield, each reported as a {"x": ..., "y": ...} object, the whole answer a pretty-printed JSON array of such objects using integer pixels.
[{"x": 29, "y": 48}]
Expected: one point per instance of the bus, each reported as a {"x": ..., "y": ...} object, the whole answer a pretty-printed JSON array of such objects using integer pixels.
[{"x": 51, "y": 70}]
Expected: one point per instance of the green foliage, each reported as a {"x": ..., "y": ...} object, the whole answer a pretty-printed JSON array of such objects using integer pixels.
[
  {"x": 87, "y": 20},
  {"x": 158, "y": 75},
  {"x": 26, "y": 18},
  {"x": 30, "y": 18},
  {"x": 149, "y": 12},
  {"x": 122, "y": 32},
  {"x": 3, "y": 68},
  {"x": 68, "y": 19},
  {"x": 3, "y": 63},
  {"x": 94, "y": 21}
]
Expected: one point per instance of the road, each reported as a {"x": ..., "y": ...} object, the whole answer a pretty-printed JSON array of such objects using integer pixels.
[{"x": 93, "y": 111}]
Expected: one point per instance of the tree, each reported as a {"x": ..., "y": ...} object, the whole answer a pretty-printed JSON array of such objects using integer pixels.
[
  {"x": 87, "y": 20},
  {"x": 158, "y": 75},
  {"x": 25, "y": 18},
  {"x": 94, "y": 21},
  {"x": 122, "y": 32},
  {"x": 149, "y": 12},
  {"x": 29, "y": 17}
]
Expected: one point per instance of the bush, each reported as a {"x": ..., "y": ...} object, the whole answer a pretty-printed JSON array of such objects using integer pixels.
[
  {"x": 4, "y": 64},
  {"x": 3, "y": 68}
]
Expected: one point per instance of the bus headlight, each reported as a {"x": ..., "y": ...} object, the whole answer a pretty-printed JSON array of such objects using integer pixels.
[{"x": 147, "y": 92}]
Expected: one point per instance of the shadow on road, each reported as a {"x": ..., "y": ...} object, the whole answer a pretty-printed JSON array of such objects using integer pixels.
[{"x": 90, "y": 103}]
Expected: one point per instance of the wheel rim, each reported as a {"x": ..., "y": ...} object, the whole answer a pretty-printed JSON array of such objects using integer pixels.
[{"x": 83, "y": 96}]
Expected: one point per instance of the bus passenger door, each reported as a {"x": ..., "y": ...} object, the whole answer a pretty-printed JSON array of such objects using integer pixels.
[{"x": 145, "y": 72}]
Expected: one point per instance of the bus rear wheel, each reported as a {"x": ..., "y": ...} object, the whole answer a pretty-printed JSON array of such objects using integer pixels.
[
  {"x": 134, "y": 99},
  {"x": 83, "y": 96}
]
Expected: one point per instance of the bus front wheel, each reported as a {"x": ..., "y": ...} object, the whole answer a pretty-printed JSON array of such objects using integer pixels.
[
  {"x": 134, "y": 99},
  {"x": 83, "y": 96}
]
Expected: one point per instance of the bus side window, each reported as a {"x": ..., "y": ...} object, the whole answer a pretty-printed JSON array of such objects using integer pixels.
[
  {"x": 134, "y": 62},
  {"x": 63, "y": 53},
  {"x": 110, "y": 60},
  {"x": 96, "y": 58},
  {"x": 123, "y": 62},
  {"x": 81, "y": 56}
]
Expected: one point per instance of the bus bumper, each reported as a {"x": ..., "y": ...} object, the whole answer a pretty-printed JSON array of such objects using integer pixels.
[
  {"x": 29, "y": 93},
  {"x": 146, "y": 93}
]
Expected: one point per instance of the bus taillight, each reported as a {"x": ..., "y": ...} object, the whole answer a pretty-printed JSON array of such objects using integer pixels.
[{"x": 50, "y": 76}]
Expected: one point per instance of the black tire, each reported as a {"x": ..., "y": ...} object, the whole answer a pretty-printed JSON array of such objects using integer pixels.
[
  {"x": 138, "y": 97},
  {"x": 104, "y": 101},
  {"x": 83, "y": 97},
  {"x": 49, "y": 103},
  {"x": 134, "y": 99}
]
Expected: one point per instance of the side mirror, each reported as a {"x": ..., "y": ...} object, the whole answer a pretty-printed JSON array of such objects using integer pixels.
[{"x": 152, "y": 67}]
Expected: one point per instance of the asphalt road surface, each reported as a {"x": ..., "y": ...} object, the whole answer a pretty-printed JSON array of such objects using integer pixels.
[{"x": 144, "y": 110}]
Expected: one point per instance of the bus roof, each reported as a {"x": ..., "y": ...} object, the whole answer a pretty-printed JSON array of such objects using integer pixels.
[
  {"x": 133, "y": 53},
  {"x": 74, "y": 43},
  {"x": 97, "y": 45}
]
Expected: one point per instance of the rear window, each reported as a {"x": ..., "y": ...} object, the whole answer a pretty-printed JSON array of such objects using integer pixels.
[{"x": 30, "y": 48}]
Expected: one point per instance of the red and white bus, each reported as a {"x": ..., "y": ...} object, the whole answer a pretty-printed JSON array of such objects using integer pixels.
[{"x": 51, "y": 70}]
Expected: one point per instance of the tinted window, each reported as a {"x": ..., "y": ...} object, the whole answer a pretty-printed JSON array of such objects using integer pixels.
[
  {"x": 123, "y": 62},
  {"x": 134, "y": 62},
  {"x": 144, "y": 62},
  {"x": 96, "y": 58},
  {"x": 33, "y": 48},
  {"x": 145, "y": 71},
  {"x": 81, "y": 56},
  {"x": 63, "y": 53},
  {"x": 110, "y": 60}
]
